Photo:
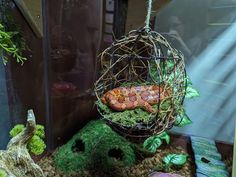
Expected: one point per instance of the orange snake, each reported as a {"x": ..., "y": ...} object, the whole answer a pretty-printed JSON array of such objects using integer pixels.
[{"x": 127, "y": 98}]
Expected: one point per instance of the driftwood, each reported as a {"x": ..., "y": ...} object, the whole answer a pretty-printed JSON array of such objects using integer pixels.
[{"x": 16, "y": 160}]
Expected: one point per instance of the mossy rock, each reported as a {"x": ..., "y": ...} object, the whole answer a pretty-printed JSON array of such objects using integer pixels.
[{"x": 96, "y": 146}]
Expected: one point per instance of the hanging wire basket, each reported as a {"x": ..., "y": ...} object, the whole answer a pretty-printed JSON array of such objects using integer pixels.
[{"x": 142, "y": 58}]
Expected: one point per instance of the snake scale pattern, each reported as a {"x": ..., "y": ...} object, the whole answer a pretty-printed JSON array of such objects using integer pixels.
[{"x": 127, "y": 98}]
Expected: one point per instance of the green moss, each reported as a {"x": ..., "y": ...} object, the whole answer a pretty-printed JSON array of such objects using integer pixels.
[
  {"x": 16, "y": 130},
  {"x": 132, "y": 117},
  {"x": 40, "y": 132},
  {"x": 129, "y": 84},
  {"x": 90, "y": 148},
  {"x": 36, "y": 144},
  {"x": 3, "y": 173}
]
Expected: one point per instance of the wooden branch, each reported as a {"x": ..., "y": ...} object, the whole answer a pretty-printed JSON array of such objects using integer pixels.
[{"x": 16, "y": 160}]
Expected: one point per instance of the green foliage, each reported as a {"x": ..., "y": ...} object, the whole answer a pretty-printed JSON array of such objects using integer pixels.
[
  {"x": 182, "y": 119},
  {"x": 168, "y": 75},
  {"x": 3, "y": 173},
  {"x": 191, "y": 92},
  {"x": 154, "y": 142},
  {"x": 171, "y": 162},
  {"x": 98, "y": 139},
  {"x": 129, "y": 84},
  {"x": 168, "y": 71},
  {"x": 9, "y": 47},
  {"x": 189, "y": 82},
  {"x": 40, "y": 132},
  {"x": 165, "y": 136},
  {"x": 174, "y": 160},
  {"x": 16, "y": 130},
  {"x": 36, "y": 144}
]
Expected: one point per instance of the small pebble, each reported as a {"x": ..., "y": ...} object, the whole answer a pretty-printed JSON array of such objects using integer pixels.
[{"x": 159, "y": 174}]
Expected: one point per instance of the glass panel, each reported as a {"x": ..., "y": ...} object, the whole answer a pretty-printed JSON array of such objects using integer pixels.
[
  {"x": 206, "y": 37},
  {"x": 21, "y": 87},
  {"x": 205, "y": 32},
  {"x": 4, "y": 111},
  {"x": 74, "y": 30}
]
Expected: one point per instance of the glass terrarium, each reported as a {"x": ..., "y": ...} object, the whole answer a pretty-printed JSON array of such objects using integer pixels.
[{"x": 117, "y": 88}]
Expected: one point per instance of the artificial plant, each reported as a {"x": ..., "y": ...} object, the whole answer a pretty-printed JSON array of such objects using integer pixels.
[
  {"x": 12, "y": 42},
  {"x": 8, "y": 47},
  {"x": 154, "y": 142},
  {"x": 171, "y": 162},
  {"x": 181, "y": 119},
  {"x": 36, "y": 144},
  {"x": 174, "y": 161}
]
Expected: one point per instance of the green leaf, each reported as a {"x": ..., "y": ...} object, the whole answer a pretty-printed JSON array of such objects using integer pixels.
[
  {"x": 191, "y": 92},
  {"x": 189, "y": 82},
  {"x": 170, "y": 64},
  {"x": 175, "y": 159},
  {"x": 152, "y": 143},
  {"x": 164, "y": 136},
  {"x": 182, "y": 119}
]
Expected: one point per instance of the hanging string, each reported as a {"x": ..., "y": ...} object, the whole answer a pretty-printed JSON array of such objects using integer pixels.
[{"x": 149, "y": 11}]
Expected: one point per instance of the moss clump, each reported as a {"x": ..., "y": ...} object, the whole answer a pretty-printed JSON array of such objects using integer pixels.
[
  {"x": 3, "y": 173},
  {"x": 131, "y": 118},
  {"x": 96, "y": 146},
  {"x": 16, "y": 130},
  {"x": 36, "y": 145},
  {"x": 40, "y": 132},
  {"x": 128, "y": 117}
]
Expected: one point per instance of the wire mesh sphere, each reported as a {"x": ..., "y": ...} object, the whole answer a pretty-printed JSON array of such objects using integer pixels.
[{"x": 146, "y": 71}]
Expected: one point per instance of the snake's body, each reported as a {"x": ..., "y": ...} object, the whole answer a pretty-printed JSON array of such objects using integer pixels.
[{"x": 127, "y": 98}]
